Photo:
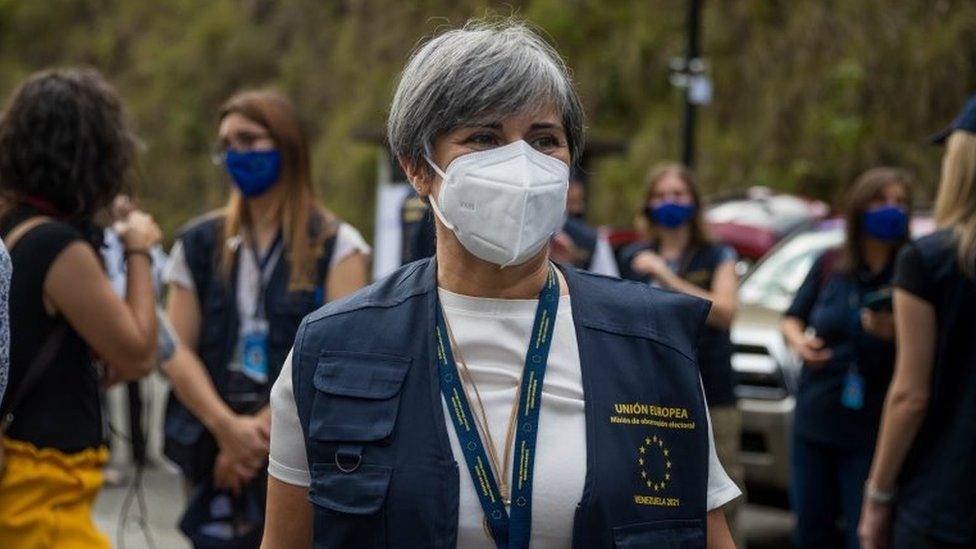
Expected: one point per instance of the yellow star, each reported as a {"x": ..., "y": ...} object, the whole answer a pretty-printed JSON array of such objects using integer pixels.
[
  {"x": 642, "y": 449},
  {"x": 643, "y": 474},
  {"x": 666, "y": 452},
  {"x": 648, "y": 484},
  {"x": 640, "y": 461},
  {"x": 660, "y": 443},
  {"x": 647, "y": 441},
  {"x": 668, "y": 463},
  {"x": 667, "y": 476}
]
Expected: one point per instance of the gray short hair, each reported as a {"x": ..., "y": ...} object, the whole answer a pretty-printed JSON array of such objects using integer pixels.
[{"x": 476, "y": 74}]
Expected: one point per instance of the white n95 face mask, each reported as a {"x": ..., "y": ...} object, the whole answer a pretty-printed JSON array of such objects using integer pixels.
[{"x": 503, "y": 204}]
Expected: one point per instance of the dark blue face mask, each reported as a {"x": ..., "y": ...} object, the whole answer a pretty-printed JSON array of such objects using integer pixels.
[
  {"x": 253, "y": 172},
  {"x": 670, "y": 214},
  {"x": 887, "y": 223}
]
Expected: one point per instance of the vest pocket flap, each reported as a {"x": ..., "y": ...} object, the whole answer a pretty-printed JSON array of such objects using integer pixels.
[
  {"x": 361, "y": 375},
  {"x": 361, "y": 492},
  {"x": 662, "y": 534}
]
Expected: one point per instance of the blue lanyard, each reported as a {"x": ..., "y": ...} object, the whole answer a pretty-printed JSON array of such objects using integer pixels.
[
  {"x": 264, "y": 275},
  {"x": 509, "y": 531}
]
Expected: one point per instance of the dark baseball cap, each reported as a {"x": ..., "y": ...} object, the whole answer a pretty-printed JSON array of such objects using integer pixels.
[{"x": 965, "y": 121}]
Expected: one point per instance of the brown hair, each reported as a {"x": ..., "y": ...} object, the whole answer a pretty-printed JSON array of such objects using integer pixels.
[
  {"x": 867, "y": 187},
  {"x": 64, "y": 140},
  {"x": 955, "y": 205},
  {"x": 304, "y": 221},
  {"x": 699, "y": 234}
]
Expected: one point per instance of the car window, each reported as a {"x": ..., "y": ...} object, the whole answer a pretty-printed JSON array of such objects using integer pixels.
[{"x": 776, "y": 279}]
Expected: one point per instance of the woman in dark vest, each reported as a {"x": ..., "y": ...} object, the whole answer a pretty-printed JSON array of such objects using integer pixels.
[
  {"x": 65, "y": 152},
  {"x": 404, "y": 410},
  {"x": 841, "y": 326},
  {"x": 241, "y": 279},
  {"x": 922, "y": 475},
  {"x": 679, "y": 256}
]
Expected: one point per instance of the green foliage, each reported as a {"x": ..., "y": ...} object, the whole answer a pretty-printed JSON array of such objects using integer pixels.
[{"x": 807, "y": 93}]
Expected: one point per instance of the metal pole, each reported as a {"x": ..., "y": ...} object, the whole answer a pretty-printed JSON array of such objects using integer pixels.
[{"x": 694, "y": 52}]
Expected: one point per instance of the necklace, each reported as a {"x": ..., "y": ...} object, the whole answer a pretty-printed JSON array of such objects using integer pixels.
[
  {"x": 481, "y": 420},
  {"x": 500, "y": 469}
]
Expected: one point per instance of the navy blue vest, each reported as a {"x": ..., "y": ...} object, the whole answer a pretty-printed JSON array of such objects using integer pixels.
[
  {"x": 383, "y": 474},
  {"x": 584, "y": 237},
  {"x": 187, "y": 442}
]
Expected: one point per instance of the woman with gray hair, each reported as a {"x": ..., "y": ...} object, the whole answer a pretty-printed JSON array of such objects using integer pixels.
[{"x": 487, "y": 397}]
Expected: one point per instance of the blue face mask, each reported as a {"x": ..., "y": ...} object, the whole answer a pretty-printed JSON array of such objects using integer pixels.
[
  {"x": 886, "y": 223},
  {"x": 670, "y": 214},
  {"x": 254, "y": 172}
]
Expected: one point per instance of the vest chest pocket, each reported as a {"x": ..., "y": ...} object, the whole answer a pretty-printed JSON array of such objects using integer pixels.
[
  {"x": 661, "y": 534},
  {"x": 357, "y": 396}
]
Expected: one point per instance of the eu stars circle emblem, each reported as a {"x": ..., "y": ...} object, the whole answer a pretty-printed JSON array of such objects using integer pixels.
[{"x": 654, "y": 463}]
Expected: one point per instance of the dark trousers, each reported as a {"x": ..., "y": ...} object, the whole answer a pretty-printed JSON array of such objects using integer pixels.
[
  {"x": 905, "y": 536},
  {"x": 828, "y": 484}
]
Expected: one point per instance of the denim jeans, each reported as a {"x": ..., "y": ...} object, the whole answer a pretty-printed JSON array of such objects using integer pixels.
[{"x": 828, "y": 485}]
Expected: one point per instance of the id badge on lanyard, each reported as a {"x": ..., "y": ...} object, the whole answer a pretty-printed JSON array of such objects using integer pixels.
[
  {"x": 254, "y": 349},
  {"x": 852, "y": 395}
]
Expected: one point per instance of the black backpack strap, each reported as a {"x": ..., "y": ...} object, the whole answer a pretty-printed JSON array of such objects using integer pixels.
[
  {"x": 44, "y": 358},
  {"x": 38, "y": 367}
]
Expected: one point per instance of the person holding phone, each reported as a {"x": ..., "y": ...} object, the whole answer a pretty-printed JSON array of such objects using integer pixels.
[{"x": 841, "y": 326}]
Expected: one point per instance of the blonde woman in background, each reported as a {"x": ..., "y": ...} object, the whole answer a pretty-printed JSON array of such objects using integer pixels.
[{"x": 922, "y": 476}]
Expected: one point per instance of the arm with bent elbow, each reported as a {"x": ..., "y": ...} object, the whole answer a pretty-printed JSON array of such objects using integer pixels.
[
  {"x": 723, "y": 294},
  {"x": 121, "y": 332},
  {"x": 904, "y": 409}
]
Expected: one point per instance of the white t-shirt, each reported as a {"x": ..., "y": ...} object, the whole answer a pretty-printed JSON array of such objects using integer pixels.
[
  {"x": 348, "y": 241},
  {"x": 492, "y": 335}
]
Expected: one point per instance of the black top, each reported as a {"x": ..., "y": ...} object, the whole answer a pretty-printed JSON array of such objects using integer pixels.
[
  {"x": 62, "y": 411},
  {"x": 698, "y": 267},
  {"x": 829, "y": 301},
  {"x": 936, "y": 492}
]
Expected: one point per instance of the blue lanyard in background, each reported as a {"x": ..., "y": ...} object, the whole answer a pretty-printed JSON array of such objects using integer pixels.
[{"x": 510, "y": 531}]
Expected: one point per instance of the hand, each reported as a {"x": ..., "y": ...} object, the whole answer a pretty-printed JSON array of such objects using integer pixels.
[
  {"x": 650, "y": 264},
  {"x": 880, "y": 324},
  {"x": 562, "y": 249},
  {"x": 233, "y": 475},
  {"x": 245, "y": 439},
  {"x": 812, "y": 352},
  {"x": 138, "y": 231},
  {"x": 875, "y": 525}
]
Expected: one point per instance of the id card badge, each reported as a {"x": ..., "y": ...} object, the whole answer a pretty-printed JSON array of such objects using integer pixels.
[
  {"x": 255, "y": 350},
  {"x": 853, "y": 395}
]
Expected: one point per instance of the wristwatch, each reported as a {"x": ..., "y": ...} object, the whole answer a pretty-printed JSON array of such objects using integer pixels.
[{"x": 877, "y": 496}]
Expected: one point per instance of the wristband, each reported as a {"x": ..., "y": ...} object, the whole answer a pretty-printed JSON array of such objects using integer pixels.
[
  {"x": 877, "y": 496},
  {"x": 144, "y": 253}
]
